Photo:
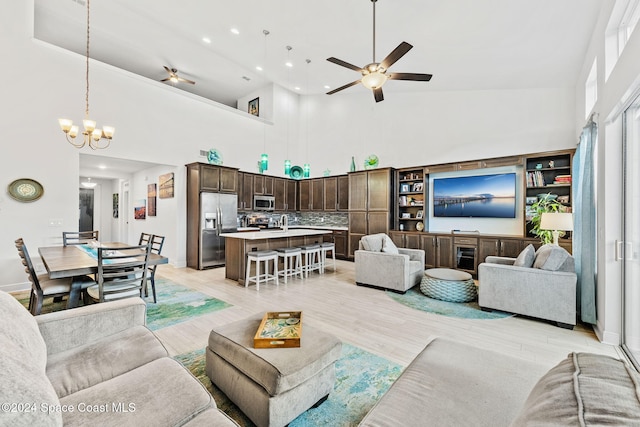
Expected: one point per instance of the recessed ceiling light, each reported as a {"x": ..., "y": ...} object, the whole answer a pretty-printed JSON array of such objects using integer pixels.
[
  {"x": 235, "y": 31},
  {"x": 102, "y": 167},
  {"x": 206, "y": 40},
  {"x": 297, "y": 88},
  {"x": 327, "y": 87},
  {"x": 259, "y": 68},
  {"x": 288, "y": 64}
]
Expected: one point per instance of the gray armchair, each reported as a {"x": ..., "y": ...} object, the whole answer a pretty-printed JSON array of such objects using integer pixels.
[
  {"x": 380, "y": 264},
  {"x": 534, "y": 291}
]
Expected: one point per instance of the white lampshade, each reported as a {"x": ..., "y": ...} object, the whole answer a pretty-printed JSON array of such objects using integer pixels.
[
  {"x": 374, "y": 80},
  {"x": 556, "y": 222},
  {"x": 561, "y": 221}
]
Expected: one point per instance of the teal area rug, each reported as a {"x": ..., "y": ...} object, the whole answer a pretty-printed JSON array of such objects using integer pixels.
[
  {"x": 468, "y": 310},
  {"x": 361, "y": 380},
  {"x": 176, "y": 303}
]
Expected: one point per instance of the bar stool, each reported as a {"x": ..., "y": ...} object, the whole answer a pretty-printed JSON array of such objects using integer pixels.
[
  {"x": 291, "y": 256},
  {"x": 258, "y": 257},
  {"x": 312, "y": 258},
  {"x": 324, "y": 248}
]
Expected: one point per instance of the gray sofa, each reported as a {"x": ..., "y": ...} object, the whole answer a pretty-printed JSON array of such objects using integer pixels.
[
  {"x": 94, "y": 365},
  {"x": 540, "y": 284},
  {"x": 455, "y": 384},
  {"x": 380, "y": 264}
]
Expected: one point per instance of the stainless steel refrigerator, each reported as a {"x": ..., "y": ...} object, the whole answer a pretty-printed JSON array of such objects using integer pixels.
[{"x": 218, "y": 214}]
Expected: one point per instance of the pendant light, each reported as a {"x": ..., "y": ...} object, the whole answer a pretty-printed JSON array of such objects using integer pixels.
[
  {"x": 94, "y": 137},
  {"x": 306, "y": 168},
  {"x": 287, "y": 163},
  {"x": 264, "y": 157}
]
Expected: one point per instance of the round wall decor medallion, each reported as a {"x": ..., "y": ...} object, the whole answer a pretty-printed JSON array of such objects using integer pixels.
[{"x": 25, "y": 190}]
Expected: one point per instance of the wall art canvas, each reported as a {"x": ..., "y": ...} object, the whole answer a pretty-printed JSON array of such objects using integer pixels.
[
  {"x": 151, "y": 199},
  {"x": 254, "y": 107},
  {"x": 140, "y": 209},
  {"x": 116, "y": 204},
  {"x": 166, "y": 185}
]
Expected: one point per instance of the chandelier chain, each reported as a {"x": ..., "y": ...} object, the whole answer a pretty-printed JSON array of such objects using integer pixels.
[{"x": 86, "y": 112}]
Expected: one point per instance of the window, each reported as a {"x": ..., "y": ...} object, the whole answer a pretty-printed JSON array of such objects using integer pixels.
[{"x": 623, "y": 21}]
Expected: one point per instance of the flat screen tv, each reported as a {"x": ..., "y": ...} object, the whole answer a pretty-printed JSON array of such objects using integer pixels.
[{"x": 477, "y": 196}]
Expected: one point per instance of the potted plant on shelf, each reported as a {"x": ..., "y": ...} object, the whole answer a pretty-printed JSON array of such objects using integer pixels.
[{"x": 545, "y": 203}]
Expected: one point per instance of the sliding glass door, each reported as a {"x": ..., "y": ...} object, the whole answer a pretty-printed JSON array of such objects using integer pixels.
[{"x": 629, "y": 249}]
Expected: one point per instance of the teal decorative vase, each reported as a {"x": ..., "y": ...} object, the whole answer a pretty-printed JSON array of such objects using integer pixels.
[{"x": 353, "y": 164}]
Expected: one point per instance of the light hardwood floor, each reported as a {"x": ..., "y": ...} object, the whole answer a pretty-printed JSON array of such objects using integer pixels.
[{"x": 368, "y": 318}]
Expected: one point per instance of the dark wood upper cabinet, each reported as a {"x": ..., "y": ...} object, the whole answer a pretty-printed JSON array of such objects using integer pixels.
[
  {"x": 216, "y": 178},
  {"x": 280, "y": 193},
  {"x": 317, "y": 194},
  {"x": 379, "y": 189},
  {"x": 343, "y": 193},
  {"x": 358, "y": 191},
  {"x": 292, "y": 195},
  {"x": 330, "y": 194},
  {"x": 305, "y": 195}
]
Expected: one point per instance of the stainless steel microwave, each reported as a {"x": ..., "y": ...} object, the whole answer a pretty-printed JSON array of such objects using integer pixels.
[{"x": 264, "y": 203}]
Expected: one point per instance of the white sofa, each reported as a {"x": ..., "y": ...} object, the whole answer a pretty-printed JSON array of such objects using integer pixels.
[{"x": 95, "y": 365}]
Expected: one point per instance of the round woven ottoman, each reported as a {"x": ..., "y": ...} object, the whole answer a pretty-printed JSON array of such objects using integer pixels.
[{"x": 448, "y": 285}]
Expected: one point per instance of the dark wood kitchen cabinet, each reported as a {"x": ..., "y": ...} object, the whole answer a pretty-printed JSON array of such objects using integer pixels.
[
  {"x": 219, "y": 179},
  {"x": 317, "y": 194}
]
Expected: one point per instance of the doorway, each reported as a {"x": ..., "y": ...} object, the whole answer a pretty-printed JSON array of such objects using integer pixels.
[
  {"x": 86, "y": 209},
  {"x": 629, "y": 249}
]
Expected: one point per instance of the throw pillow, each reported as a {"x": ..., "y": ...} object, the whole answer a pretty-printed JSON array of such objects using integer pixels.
[
  {"x": 550, "y": 257},
  {"x": 389, "y": 247},
  {"x": 526, "y": 257},
  {"x": 584, "y": 389}
]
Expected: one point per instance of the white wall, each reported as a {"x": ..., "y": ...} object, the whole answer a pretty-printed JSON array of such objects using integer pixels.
[
  {"x": 160, "y": 124},
  {"x": 612, "y": 96}
]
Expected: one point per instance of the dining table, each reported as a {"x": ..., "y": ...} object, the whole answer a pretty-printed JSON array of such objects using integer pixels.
[{"x": 78, "y": 261}]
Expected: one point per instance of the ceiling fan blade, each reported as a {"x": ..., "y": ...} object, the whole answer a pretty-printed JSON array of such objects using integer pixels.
[
  {"x": 166, "y": 80},
  {"x": 343, "y": 87},
  {"x": 344, "y": 64},
  {"x": 168, "y": 69},
  {"x": 191, "y": 82},
  {"x": 377, "y": 94},
  {"x": 397, "y": 53},
  {"x": 410, "y": 76}
]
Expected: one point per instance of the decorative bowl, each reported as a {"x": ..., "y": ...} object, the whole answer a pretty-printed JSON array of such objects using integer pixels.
[
  {"x": 371, "y": 162},
  {"x": 214, "y": 157},
  {"x": 296, "y": 172}
]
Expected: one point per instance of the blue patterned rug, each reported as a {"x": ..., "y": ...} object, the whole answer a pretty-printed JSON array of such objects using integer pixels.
[
  {"x": 468, "y": 310},
  {"x": 176, "y": 304},
  {"x": 361, "y": 380}
]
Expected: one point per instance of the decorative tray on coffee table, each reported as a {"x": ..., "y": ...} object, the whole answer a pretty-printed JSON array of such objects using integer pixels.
[{"x": 279, "y": 329}]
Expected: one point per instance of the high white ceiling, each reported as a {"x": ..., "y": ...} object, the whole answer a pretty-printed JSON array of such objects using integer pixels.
[{"x": 465, "y": 44}]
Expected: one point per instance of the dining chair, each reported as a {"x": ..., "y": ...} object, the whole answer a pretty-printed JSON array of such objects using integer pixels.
[
  {"x": 145, "y": 238},
  {"x": 122, "y": 273},
  {"x": 41, "y": 286},
  {"x": 156, "y": 243},
  {"x": 78, "y": 237}
]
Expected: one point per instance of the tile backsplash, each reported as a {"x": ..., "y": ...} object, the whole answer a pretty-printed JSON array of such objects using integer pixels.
[{"x": 316, "y": 219}]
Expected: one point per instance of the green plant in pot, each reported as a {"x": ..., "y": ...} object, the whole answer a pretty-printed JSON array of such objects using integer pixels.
[{"x": 545, "y": 203}]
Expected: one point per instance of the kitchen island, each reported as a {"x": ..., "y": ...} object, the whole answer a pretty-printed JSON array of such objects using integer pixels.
[{"x": 237, "y": 245}]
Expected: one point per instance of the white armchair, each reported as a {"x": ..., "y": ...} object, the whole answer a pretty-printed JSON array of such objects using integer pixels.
[{"x": 380, "y": 264}]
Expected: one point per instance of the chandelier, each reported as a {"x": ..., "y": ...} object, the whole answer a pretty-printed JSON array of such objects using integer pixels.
[{"x": 94, "y": 137}]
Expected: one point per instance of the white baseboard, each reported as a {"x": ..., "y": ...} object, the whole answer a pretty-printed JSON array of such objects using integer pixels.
[{"x": 611, "y": 338}]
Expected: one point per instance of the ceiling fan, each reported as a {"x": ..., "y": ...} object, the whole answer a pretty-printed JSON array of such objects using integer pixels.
[
  {"x": 375, "y": 75},
  {"x": 174, "y": 77}
]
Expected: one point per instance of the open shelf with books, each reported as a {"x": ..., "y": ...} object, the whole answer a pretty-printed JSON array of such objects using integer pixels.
[
  {"x": 548, "y": 173},
  {"x": 410, "y": 214}
]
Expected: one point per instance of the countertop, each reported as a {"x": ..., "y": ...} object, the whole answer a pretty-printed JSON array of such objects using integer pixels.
[{"x": 275, "y": 233}]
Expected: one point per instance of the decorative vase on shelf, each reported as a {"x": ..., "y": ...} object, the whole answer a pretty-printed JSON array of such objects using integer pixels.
[{"x": 353, "y": 165}]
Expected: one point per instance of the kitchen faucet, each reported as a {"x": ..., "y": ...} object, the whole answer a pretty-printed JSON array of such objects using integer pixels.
[{"x": 284, "y": 222}]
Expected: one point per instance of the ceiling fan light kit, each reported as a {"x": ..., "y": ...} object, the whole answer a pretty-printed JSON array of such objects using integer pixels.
[
  {"x": 92, "y": 134},
  {"x": 374, "y": 75}
]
